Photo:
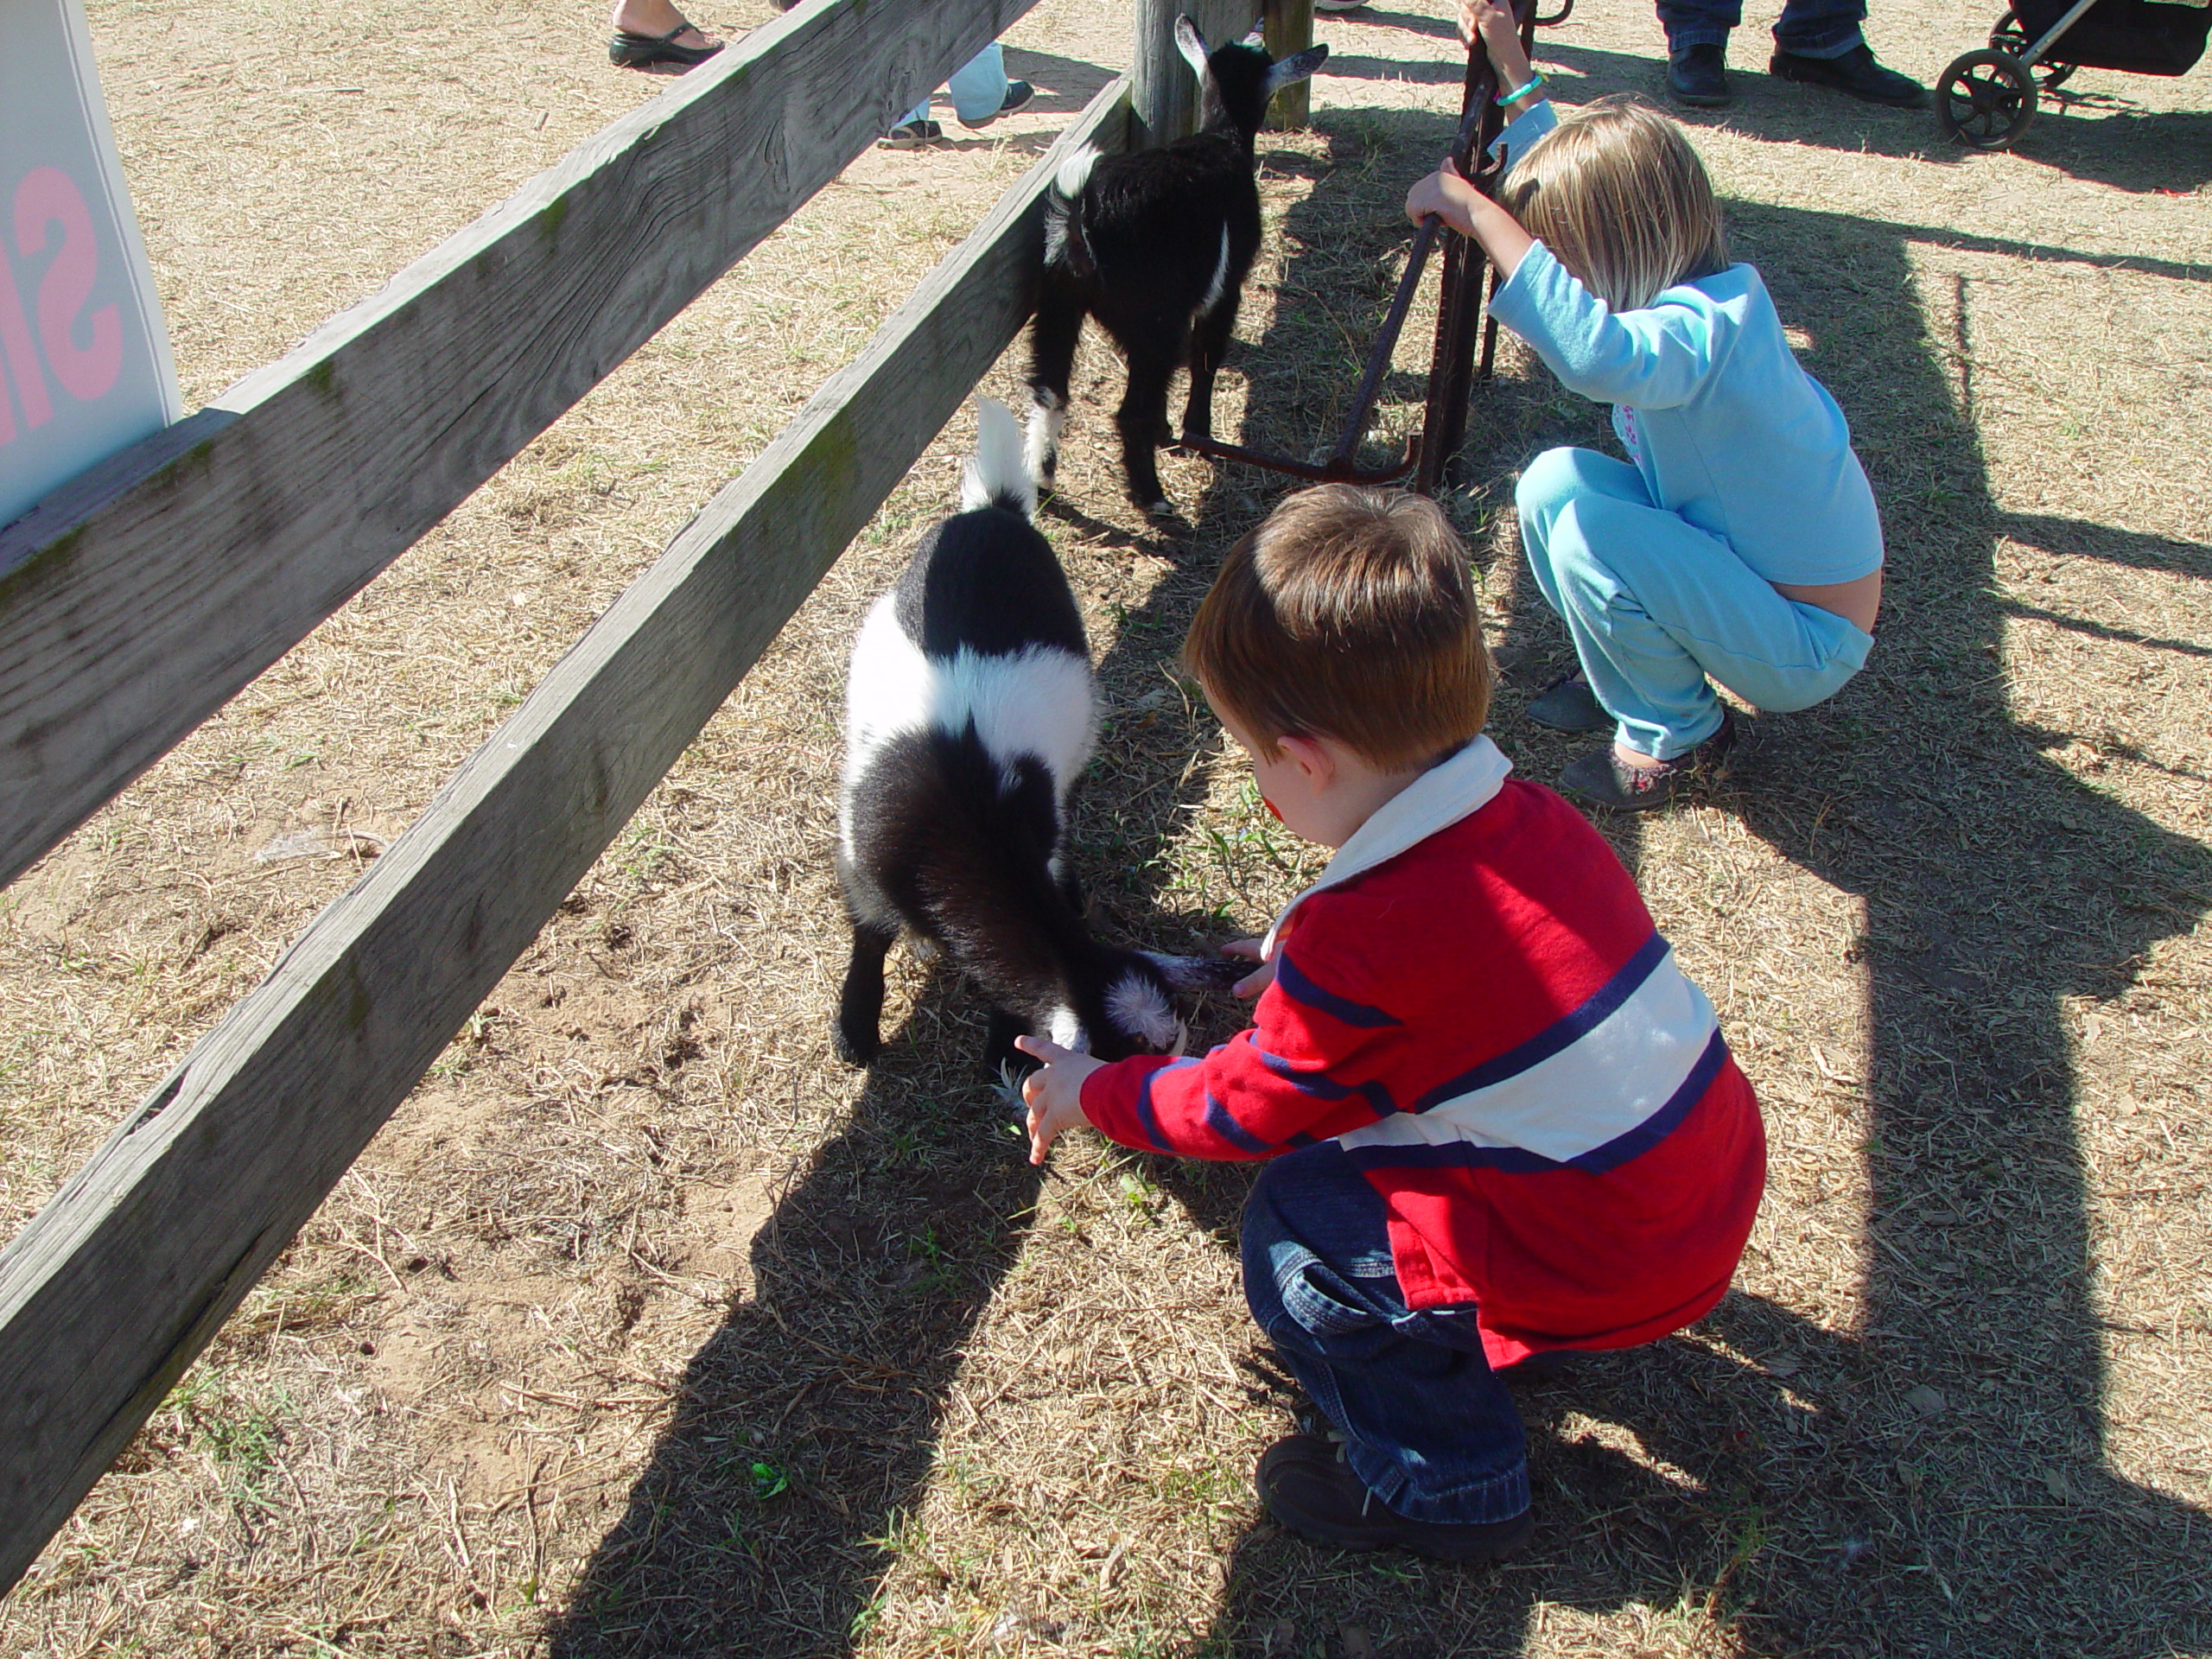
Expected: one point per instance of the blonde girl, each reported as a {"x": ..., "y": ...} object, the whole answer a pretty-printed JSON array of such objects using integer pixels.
[{"x": 1739, "y": 544}]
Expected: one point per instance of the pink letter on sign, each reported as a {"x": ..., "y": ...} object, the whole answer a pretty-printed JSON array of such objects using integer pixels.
[
  {"x": 48, "y": 194},
  {"x": 18, "y": 355}
]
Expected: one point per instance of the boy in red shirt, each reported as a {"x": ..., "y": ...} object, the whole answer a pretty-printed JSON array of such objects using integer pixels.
[{"x": 1502, "y": 1120}]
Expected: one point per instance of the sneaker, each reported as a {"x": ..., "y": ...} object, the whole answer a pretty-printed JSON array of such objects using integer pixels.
[
  {"x": 1855, "y": 73},
  {"x": 1699, "y": 75},
  {"x": 1604, "y": 781},
  {"x": 1569, "y": 704},
  {"x": 1306, "y": 1485},
  {"x": 910, "y": 135},
  {"x": 1018, "y": 92}
]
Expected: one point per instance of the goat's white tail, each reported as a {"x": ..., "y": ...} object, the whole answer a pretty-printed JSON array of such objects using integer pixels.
[{"x": 999, "y": 474}]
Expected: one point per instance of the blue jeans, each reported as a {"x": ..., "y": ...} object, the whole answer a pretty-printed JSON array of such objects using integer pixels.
[
  {"x": 1811, "y": 29},
  {"x": 1428, "y": 1426},
  {"x": 1655, "y": 606},
  {"x": 978, "y": 87}
]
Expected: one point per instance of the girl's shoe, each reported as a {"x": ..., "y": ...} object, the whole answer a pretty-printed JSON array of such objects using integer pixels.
[
  {"x": 630, "y": 50},
  {"x": 1604, "y": 780},
  {"x": 1569, "y": 704},
  {"x": 1306, "y": 1485},
  {"x": 1018, "y": 92}
]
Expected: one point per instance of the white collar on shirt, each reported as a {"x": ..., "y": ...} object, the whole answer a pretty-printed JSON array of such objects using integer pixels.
[{"x": 1439, "y": 797}]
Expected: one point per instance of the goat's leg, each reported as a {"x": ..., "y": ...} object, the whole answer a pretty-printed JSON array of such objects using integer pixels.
[
  {"x": 1209, "y": 345},
  {"x": 1142, "y": 419},
  {"x": 1051, "y": 362},
  {"x": 1000, "y": 1057},
  {"x": 860, "y": 1007}
]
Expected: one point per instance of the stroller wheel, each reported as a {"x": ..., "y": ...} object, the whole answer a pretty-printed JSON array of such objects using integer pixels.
[
  {"x": 2011, "y": 36},
  {"x": 1985, "y": 100}
]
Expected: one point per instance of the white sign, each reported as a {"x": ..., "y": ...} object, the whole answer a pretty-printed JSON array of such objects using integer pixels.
[{"x": 85, "y": 363}]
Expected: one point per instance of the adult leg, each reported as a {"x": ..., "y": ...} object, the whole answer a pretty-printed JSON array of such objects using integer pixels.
[
  {"x": 1655, "y": 604},
  {"x": 1697, "y": 48},
  {"x": 1428, "y": 1428}
]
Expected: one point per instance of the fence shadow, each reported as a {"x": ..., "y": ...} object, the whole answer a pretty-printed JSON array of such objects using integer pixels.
[
  {"x": 807, "y": 1424},
  {"x": 1815, "y": 1499}
]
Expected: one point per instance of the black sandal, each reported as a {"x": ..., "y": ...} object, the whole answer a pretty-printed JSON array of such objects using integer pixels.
[{"x": 630, "y": 50}]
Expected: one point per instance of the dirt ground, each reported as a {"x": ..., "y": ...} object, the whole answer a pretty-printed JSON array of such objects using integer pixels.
[{"x": 645, "y": 1328}]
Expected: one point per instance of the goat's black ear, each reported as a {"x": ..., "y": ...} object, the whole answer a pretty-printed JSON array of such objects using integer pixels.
[
  {"x": 1199, "y": 975},
  {"x": 1296, "y": 68},
  {"x": 1192, "y": 46}
]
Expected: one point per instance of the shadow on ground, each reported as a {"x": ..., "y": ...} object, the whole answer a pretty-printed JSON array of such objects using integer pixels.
[{"x": 1933, "y": 1480}]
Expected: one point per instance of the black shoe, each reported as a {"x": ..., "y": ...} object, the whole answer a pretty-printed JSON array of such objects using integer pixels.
[
  {"x": 1699, "y": 75},
  {"x": 628, "y": 50},
  {"x": 1604, "y": 780},
  {"x": 1569, "y": 704},
  {"x": 1308, "y": 1488},
  {"x": 1855, "y": 73},
  {"x": 1018, "y": 92}
]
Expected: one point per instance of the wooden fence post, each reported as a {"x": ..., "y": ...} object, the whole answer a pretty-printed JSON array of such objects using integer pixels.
[
  {"x": 1164, "y": 93},
  {"x": 1290, "y": 29}
]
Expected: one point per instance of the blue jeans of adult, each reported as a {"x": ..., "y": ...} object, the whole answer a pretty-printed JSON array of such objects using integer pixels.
[
  {"x": 1810, "y": 29},
  {"x": 977, "y": 86},
  {"x": 1428, "y": 1427},
  {"x": 1658, "y": 609}
]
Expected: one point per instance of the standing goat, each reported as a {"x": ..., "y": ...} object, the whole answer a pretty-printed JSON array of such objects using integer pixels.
[
  {"x": 969, "y": 713},
  {"x": 1156, "y": 245}
]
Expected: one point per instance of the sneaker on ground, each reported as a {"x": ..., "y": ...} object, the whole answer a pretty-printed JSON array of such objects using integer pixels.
[
  {"x": 910, "y": 135},
  {"x": 1569, "y": 704},
  {"x": 1699, "y": 75},
  {"x": 1306, "y": 1485},
  {"x": 1018, "y": 92},
  {"x": 1605, "y": 780},
  {"x": 1856, "y": 73}
]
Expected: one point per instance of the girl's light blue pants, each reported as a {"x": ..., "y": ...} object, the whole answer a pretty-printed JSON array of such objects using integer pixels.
[
  {"x": 978, "y": 87},
  {"x": 1659, "y": 609}
]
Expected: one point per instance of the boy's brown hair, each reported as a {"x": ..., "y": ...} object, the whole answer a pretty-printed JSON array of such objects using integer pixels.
[{"x": 1348, "y": 613}]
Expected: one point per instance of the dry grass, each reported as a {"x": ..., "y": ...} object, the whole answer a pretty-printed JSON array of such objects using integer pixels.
[{"x": 646, "y": 1329}]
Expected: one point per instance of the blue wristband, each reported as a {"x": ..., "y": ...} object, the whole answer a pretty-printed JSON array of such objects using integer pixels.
[{"x": 1535, "y": 81}]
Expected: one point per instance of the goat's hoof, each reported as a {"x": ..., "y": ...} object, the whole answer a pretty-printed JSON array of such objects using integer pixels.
[
  {"x": 1162, "y": 508},
  {"x": 855, "y": 1048}
]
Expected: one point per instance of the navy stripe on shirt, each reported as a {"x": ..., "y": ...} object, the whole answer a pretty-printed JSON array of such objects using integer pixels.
[
  {"x": 1322, "y": 1086},
  {"x": 1519, "y": 1161},
  {"x": 1299, "y": 988},
  {"x": 1561, "y": 1033},
  {"x": 1219, "y": 1121}
]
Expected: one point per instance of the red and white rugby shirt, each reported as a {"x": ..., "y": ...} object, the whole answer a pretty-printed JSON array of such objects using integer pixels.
[{"x": 1475, "y": 1004}]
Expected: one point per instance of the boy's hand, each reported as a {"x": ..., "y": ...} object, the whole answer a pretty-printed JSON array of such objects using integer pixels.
[
  {"x": 1053, "y": 1092},
  {"x": 1253, "y": 983}
]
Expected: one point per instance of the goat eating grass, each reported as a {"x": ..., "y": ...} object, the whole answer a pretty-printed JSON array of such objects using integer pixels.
[
  {"x": 1157, "y": 246},
  {"x": 969, "y": 713}
]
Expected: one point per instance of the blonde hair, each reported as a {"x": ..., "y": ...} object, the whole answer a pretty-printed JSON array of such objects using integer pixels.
[
  {"x": 1348, "y": 613},
  {"x": 1622, "y": 201}
]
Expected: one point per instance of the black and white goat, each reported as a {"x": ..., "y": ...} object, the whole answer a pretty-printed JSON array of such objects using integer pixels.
[
  {"x": 969, "y": 713},
  {"x": 1156, "y": 245}
]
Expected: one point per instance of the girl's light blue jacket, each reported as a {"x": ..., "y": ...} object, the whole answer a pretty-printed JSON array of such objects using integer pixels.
[{"x": 1726, "y": 428}]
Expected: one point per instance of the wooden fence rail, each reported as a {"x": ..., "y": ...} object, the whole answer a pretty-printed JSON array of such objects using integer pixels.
[
  {"x": 113, "y": 1288},
  {"x": 140, "y": 598}
]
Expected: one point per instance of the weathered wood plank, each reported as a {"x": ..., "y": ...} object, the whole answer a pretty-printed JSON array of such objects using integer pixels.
[
  {"x": 141, "y": 597},
  {"x": 1290, "y": 29},
  {"x": 110, "y": 1292},
  {"x": 1163, "y": 92}
]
